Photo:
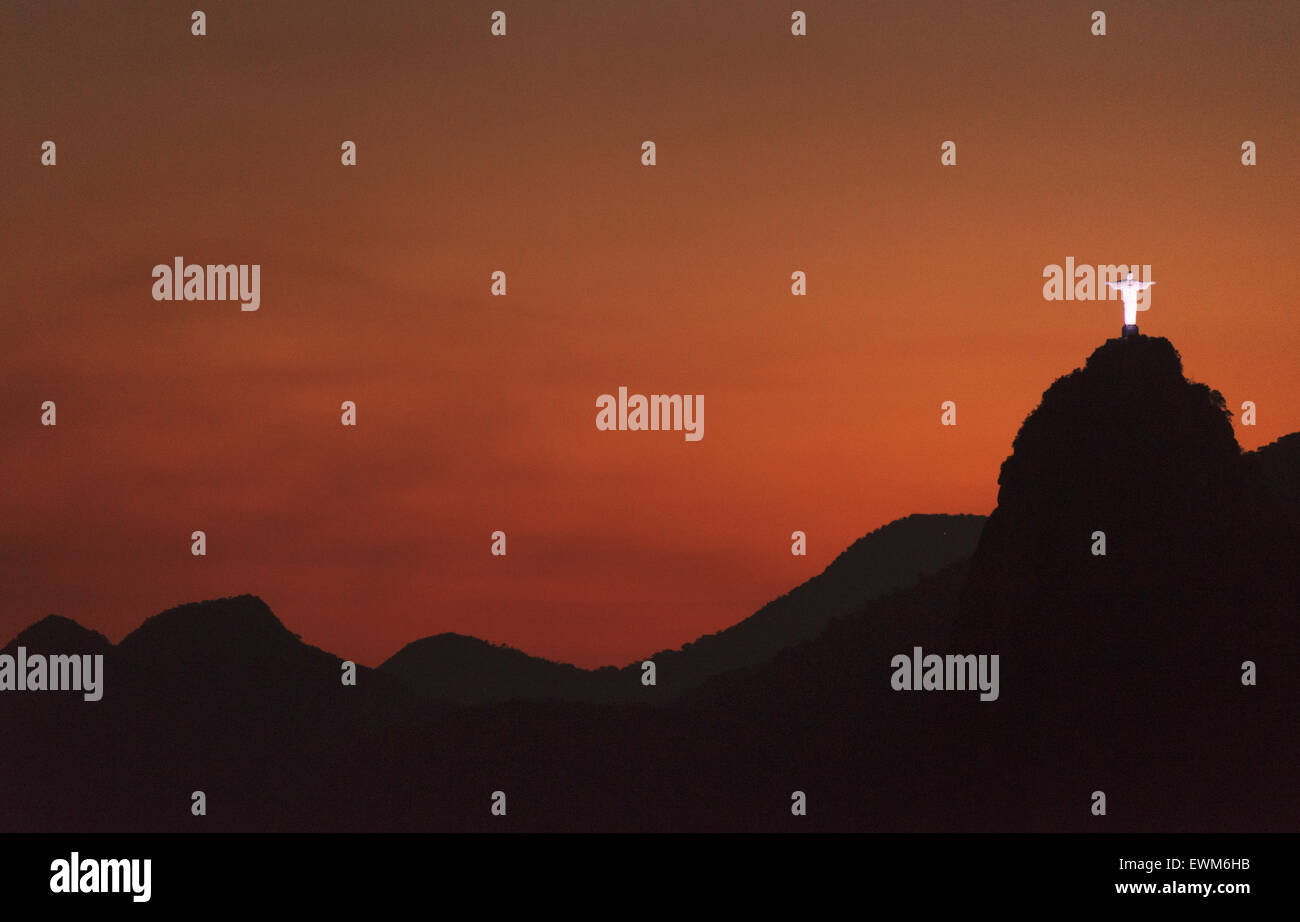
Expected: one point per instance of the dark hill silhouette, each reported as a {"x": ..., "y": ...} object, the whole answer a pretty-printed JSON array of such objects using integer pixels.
[
  {"x": 215, "y": 696},
  {"x": 48, "y": 733},
  {"x": 221, "y": 627},
  {"x": 1275, "y": 507},
  {"x": 234, "y": 651},
  {"x": 818, "y": 717},
  {"x": 1275, "y": 472},
  {"x": 1126, "y": 446},
  {"x": 1125, "y": 669},
  {"x": 219, "y": 696},
  {"x": 1119, "y": 673},
  {"x": 891, "y": 557},
  {"x": 57, "y": 634},
  {"x": 452, "y": 667}
]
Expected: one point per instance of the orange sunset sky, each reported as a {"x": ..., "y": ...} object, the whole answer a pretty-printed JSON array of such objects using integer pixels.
[{"x": 522, "y": 153}]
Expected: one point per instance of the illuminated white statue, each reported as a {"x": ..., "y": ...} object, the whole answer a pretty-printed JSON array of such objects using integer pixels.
[{"x": 1128, "y": 290}]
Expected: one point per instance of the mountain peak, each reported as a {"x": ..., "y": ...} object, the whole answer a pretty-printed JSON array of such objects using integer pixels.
[
  {"x": 1128, "y": 422},
  {"x": 214, "y": 625},
  {"x": 1120, "y": 510},
  {"x": 57, "y": 634},
  {"x": 456, "y": 667}
]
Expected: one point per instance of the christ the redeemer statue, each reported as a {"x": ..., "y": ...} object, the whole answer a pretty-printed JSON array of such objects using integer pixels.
[{"x": 1128, "y": 290}]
